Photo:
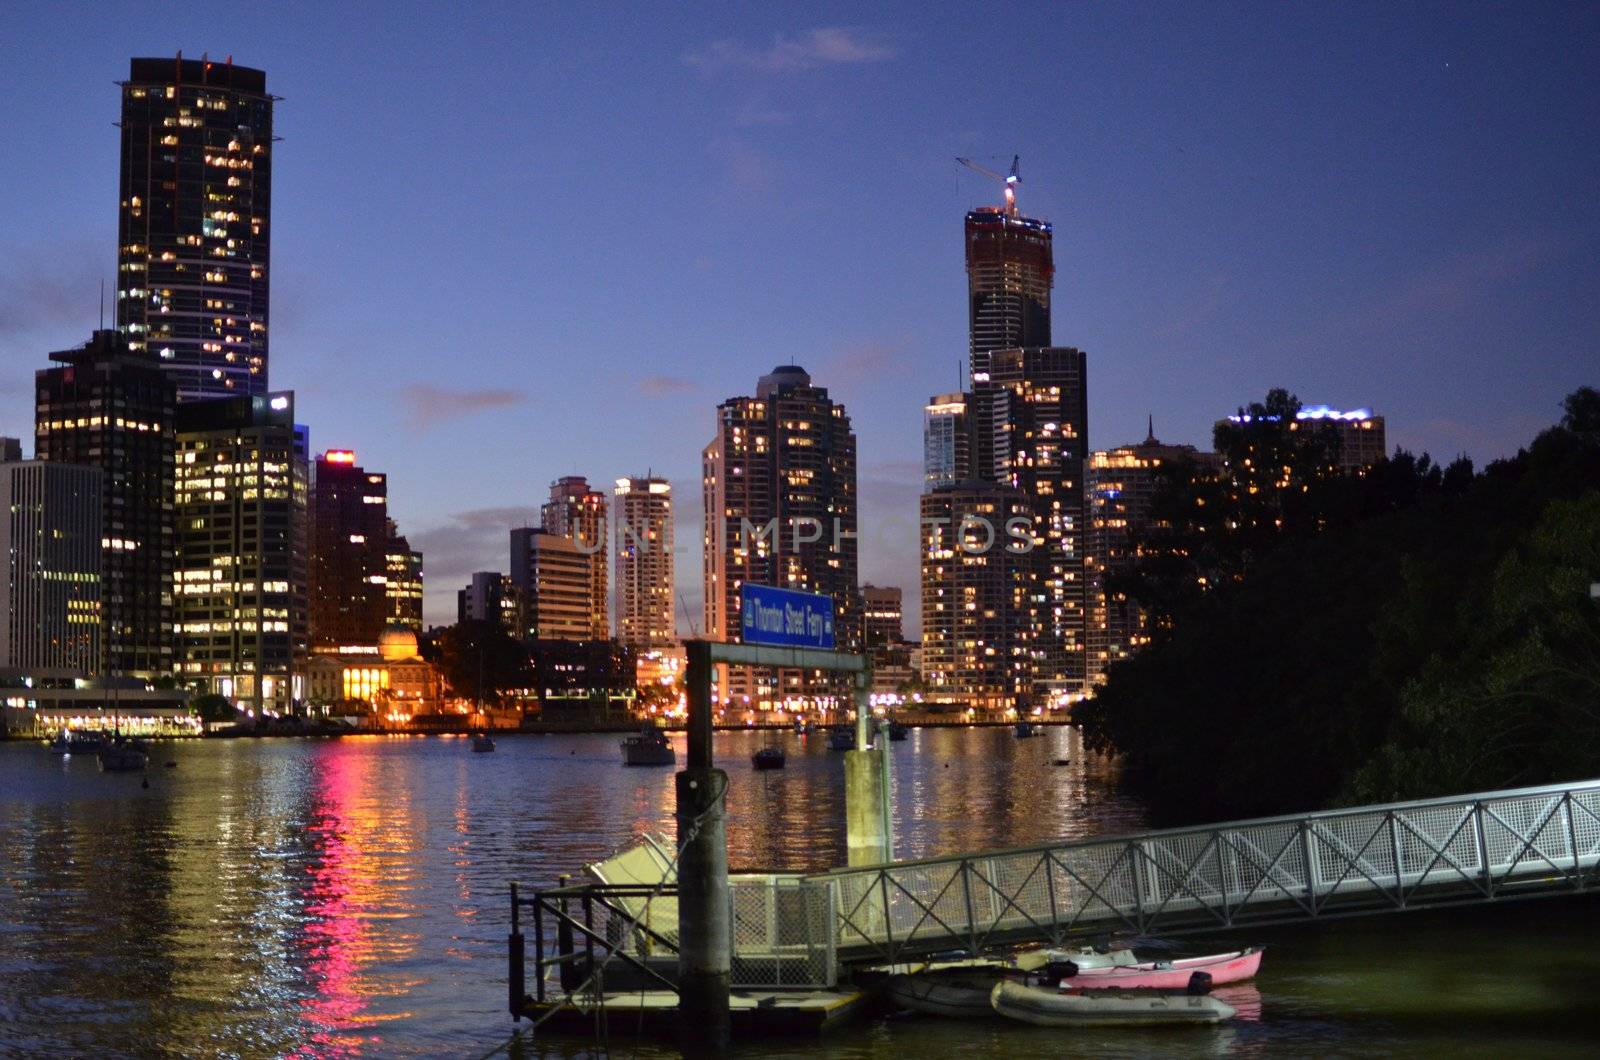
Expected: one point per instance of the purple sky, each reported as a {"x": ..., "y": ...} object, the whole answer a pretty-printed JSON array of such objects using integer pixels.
[{"x": 515, "y": 243}]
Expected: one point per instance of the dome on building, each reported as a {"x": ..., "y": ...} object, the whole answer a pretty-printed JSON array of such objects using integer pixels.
[
  {"x": 785, "y": 375},
  {"x": 397, "y": 644}
]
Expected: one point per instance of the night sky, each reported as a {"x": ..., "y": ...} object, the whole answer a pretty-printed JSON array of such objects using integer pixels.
[{"x": 512, "y": 244}]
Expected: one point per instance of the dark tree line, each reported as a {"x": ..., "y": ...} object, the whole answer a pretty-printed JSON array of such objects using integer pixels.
[{"x": 1326, "y": 638}]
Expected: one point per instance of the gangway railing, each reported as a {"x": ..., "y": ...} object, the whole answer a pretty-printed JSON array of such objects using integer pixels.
[{"x": 1470, "y": 848}]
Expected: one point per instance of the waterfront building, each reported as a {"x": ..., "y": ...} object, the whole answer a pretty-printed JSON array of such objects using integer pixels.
[
  {"x": 491, "y": 597},
  {"x": 883, "y": 615},
  {"x": 241, "y": 498},
  {"x": 583, "y": 682},
  {"x": 1010, "y": 271},
  {"x": 105, "y": 406},
  {"x": 646, "y": 592},
  {"x": 194, "y": 222},
  {"x": 946, "y": 441},
  {"x": 50, "y": 556},
  {"x": 978, "y": 636},
  {"x": 555, "y": 580},
  {"x": 1122, "y": 487},
  {"x": 779, "y": 485},
  {"x": 1360, "y": 433},
  {"x": 404, "y": 589},
  {"x": 578, "y": 512},
  {"x": 1041, "y": 425},
  {"x": 349, "y": 553},
  {"x": 388, "y": 680}
]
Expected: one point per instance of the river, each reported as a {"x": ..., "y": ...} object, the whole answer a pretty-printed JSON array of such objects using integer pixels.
[{"x": 348, "y": 897}]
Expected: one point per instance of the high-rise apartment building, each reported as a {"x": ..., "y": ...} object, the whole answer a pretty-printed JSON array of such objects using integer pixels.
[
  {"x": 1360, "y": 433},
  {"x": 107, "y": 407},
  {"x": 242, "y": 484},
  {"x": 349, "y": 553},
  {"x": 554, "y": 577},
  {"x": 1122, "y": 487},
  {"x": 978, "y": 624},
  {"x": 1040, "y": 420},
  {"x": 882, "y": 615},
  {"x": 492, "y": 597},
  {"x": 578, "y": 512},
  {"x": 404, "y": 589},
  {"x": 946, "y": 441},
  {"x": 780, "y": 509},
  {"x": 194, "y": 222},
  {"x": 50, "y": 555},
  {"x": 642, "y": 515}
]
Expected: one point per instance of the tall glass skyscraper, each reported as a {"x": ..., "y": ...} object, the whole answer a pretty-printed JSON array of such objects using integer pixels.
[{"x": 193, "y": 222}]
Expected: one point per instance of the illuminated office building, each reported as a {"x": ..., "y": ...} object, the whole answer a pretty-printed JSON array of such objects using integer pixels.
[
  {"x": 194, "y": 222},
  {"x": 404, "y": 589},
  {"x": 646, "y": 592},
  {"x": 107, "y": 407},
  {"x": 578, "y": 512},
  {"x": 492, "y": 597},
  {"x": 554, "y": 579},
  {"x": 882, "y": 615},
  {"x": 241, "y": 500},
  {"x": 779, "y": 485},
  {"x": 946, "y": 441},
  {"x": 50, "y": 555},
  {"x": 349, "y": 553}
]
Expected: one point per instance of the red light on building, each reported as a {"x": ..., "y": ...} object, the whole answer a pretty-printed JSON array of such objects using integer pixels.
[{"x": 340, "y": 456}]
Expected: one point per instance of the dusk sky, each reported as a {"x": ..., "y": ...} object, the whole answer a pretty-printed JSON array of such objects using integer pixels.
[{"x": 512, "y": 243}]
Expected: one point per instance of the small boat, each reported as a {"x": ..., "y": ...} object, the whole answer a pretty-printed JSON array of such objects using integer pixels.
[
  {"x": 482, "y": 743},
  {"x": 957, "y": 993},
  {"x": 768, "y": 758},
  {"x": 62, "y": 744},
  {"x": 1219, "y": 969},
  {"x": 648, "y": 748},
  {"x": 897, "y": 730},
  {"x": 123, "y": 757},
  {"x": 1025, "y": 729},
  {"x": 1051, "y": 1008},
  {"x": 802, "y": 727},
  {"x": 842, "y": 738}
]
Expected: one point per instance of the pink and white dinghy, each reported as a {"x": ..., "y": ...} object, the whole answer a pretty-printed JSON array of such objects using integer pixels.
[{"x": 1219, "y": 969}]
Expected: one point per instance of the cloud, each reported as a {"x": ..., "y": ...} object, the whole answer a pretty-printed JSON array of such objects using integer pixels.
[
  {"x": 428, "y": 406},
  {"x": 863, "y": 364},
  {"x": 664, "y": 385},
  {"x": 473, "y": 540},
  {"x": 827, "y": 46}
]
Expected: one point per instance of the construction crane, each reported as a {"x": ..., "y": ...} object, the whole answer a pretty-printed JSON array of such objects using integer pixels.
[{"x": 1008, "y": 181}]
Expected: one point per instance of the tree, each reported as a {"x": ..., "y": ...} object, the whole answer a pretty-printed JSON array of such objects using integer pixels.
[
  {"x": 479, "y": 660},
  {"x": 213, "y": 708}
]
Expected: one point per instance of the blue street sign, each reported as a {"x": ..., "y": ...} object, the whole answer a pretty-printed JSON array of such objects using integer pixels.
[{"x": 785, "y": 618}]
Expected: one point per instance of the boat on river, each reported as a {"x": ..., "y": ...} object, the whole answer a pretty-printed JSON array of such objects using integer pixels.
[
  {"x": 124, "y": 756},
  {"x": 951, "y": 993},
  {"x": 648, "y": 748},
  {"x": 76, "y": 741},
  {"x": 768, "y": 758},
  {"x": 1026, "y": 729},
  {"x": 842, "y": 738},
  {"x": 1219, "y": 969},
  {"x": 897, "y": 730},
  {"x": 1043, "y": 1007},
  {"x": 482, "y": 743}
]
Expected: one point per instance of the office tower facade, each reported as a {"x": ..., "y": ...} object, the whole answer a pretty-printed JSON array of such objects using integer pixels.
[
  {"x": 1359, "y": 432},
  {"x": 554, "y": 578},
  {"x": 404, "y": 588},
  {"x": 491, "y": 597},
  {"x": 882, "y": 615},
  {"x": 946, "y": 441},
  {"x": 780, "y": 509},
  {"x": 646, "y": 589},
  {"x": 1122, "y": 484},
  {"x": 50, "y": 555},
  {"x": 978, "y": 636},
  {"x": 1041, "y": 428},
  {"x": 576, "y": 511},
  {"x": 349, "y": 553},
  {"x": 1010, "y": 271},
  {"x": 194, "y": 222},
  {"x": 241, "y": 503},
  {"x": 107, "y": 407}
]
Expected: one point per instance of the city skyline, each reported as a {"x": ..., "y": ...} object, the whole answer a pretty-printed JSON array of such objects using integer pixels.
[{"x": 1353, "y": 252}]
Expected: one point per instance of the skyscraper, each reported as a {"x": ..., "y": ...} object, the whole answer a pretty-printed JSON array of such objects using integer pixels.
[
  {"x": 1122, "y": 486},
  {"x": 1040, "y": 420},
  {"x": 882, "y": 615},
  {"x": 242, "y": 472},
  {"x": 946, "y": 441},
  {"x": 1010, "y": 270},
  {"x": 642, "y": 515},
  {"x": 977, "y": 633},
  {"x": 404, "y": 590},
  {"x": 194, "y": 222},
  {"x": 578, "y": 512},
  {"x": 780, "y": 509},
  {"x": 50, "y": 566},
  {"x": 349, "y": 553},
  {"x": 107, "y": 407},
  {"x": 492, "y": 597},
  {"x": 554, "y": 578}
]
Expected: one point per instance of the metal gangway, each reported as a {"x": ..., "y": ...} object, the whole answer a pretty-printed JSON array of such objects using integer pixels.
[{"x": 1489, "y": 847}]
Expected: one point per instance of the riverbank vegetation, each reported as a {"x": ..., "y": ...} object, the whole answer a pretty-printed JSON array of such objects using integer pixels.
[{"x": 1326, "y": 639}]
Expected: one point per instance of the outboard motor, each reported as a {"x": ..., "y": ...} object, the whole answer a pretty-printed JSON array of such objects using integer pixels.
[
  {"x": 1199, "y": 983},
  {"x": 1056, "y": 971}
]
